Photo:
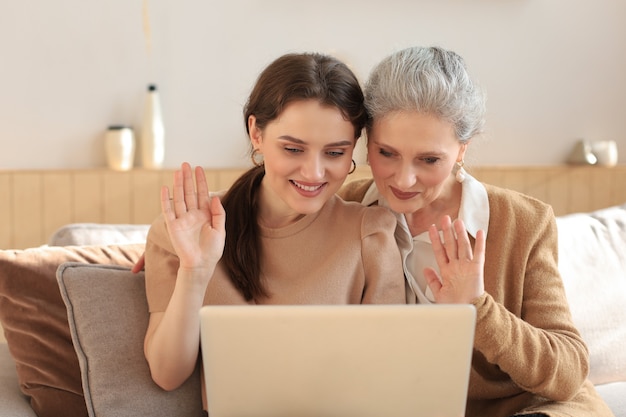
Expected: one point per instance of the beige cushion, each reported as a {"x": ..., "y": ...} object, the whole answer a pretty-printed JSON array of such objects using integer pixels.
[
  {"x": 34, "y": 319},
  {"x": 108, "y": 316},
  {"x": 592, "y": 261},
  {"x": 99, "y": 234}
]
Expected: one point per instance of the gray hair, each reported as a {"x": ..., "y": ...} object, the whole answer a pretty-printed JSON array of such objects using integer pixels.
[{"x": 428, "y": 80}]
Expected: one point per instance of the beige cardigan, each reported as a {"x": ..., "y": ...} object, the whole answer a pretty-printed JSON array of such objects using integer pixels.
[{"x": 528, "y": 355}]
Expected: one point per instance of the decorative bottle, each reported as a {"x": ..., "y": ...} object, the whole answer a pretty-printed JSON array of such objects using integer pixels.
[
  {"x": 153, "y": 131},
  {"x": 119, "y": 146}
]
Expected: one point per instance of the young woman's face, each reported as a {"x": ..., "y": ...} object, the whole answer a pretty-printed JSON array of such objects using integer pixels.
[
  {"x": 307, "y": 153},
  {"x": 412, "y": 156}
]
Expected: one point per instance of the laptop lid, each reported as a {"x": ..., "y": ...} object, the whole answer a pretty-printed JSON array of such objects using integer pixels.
[{"x": 337, "y": 361}]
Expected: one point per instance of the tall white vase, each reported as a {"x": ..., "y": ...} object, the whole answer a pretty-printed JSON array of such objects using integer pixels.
[{"x": 152, "y": 131}]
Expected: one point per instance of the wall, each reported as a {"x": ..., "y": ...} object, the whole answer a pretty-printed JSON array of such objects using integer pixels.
[{"x": 554, "y": 70}]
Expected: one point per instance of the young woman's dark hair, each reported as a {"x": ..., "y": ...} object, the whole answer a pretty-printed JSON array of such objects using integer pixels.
[{"x": 290, "y": 78}]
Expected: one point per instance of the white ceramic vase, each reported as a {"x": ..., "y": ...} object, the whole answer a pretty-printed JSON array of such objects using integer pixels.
[{"x": 119, "y": 145}]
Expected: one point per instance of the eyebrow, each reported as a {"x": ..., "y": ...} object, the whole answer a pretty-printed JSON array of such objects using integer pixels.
[
  {"x": 301, "y": 142},
  {"x": 419, "y": 155},
  {"x": 384, "y": 145}
]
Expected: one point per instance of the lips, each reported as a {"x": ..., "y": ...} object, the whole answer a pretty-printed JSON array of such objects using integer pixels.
[
  {"x": 304, "y": 187},
  {"x": 309, "y": 190},
  {"x": 403, "y": 195}
]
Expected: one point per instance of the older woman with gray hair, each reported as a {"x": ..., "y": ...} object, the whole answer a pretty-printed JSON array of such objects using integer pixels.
[{"x": 529, "y": 358}]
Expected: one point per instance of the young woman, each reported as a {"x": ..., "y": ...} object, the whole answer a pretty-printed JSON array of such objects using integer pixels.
[
  {"x": 529, "y": 359},
  {"x": 279, "y": 235}
]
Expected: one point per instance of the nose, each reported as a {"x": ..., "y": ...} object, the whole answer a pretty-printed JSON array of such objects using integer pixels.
[
  {"x": 406, "y": 176},
  {"x": 313, "y": 168}
]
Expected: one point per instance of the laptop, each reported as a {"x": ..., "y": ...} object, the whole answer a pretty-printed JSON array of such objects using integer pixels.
[{"x": 337, "y": 360}]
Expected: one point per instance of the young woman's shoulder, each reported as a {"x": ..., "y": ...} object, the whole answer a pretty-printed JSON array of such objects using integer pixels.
[
  {"x": 372, "y": 219},
  {"x": 158, "y": 235}
]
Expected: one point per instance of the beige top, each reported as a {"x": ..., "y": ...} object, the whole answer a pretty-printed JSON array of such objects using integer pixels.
[
  {"x": 344, "y": 254},
  {"x": 528, "y": 355}
]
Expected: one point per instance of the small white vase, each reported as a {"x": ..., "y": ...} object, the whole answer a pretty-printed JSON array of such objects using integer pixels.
[
  {"x": 119, "y": 145},
  {"x": 152, "y": 131}
]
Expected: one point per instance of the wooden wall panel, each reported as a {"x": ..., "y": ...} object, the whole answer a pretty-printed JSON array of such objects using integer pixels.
[
  {"x": 37, "y": 203},
  {"x": 225, "y": 178},
  {"x": 580, "y": 189},
  {"x": 116, "y": 206},
  {"x": 6, "y": 210},
  {"x": 568, "y": 189},
  {"x": 146, "y": 191},
  {"x": 600, "y": 183},
  {"x": 88, "y": 197},
  {"x": 557, "y": 187},
  {"x": 212, "y": 179},
  {"x": 538, "y": 185},
  {"x": 58, "y": 201},
  {"x": 490, "y": 176},
  {"x": 27, "y": 209},
  {"x": 618, "y": 190}
]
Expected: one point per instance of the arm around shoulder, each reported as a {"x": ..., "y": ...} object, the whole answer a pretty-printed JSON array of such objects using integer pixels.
[{"x": 385, "y": 282}]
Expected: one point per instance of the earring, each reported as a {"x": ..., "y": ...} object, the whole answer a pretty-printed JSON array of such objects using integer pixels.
[
  {"x": 257, "y": 158},
  {"x": 353, "y": 167},
  {"x": 460, "y": 172}
]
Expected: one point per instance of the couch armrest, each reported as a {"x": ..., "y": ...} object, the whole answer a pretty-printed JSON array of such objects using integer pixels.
[
  {"x": 592, "y": 261},
  {"x": 13, "y": 402}
]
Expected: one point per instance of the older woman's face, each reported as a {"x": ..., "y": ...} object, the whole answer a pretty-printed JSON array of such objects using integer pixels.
[{"x": 412, "y": 156}]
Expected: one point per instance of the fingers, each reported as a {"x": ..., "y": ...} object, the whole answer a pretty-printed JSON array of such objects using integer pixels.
[
  {"x": 445, "y": 250},
  {"x": 449, "y": 239},
  {"x": 463, "y": 245},
  {"x": 460, "y": 265},
  {"x": 166, "y": 207},
  {"x": 440, "y": 252},
  {"x": 138, "y": 266},
  {"x": 203, "y": 189},
  {"x": 191, "y": 199},
  {"x": 480, "y": 246},
  {"x": 185, "y": 197},
  {"x": 218, "y": 215},
  {"x": 455, "y": 239},
  {"x": 179, "y": 194},
  {"x": 432, "y": 278}
]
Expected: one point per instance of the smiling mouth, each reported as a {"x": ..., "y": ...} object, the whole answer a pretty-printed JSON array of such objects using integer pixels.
[
  {"x": 307, "y": 188},
  {"x": 402, "y": 195}
]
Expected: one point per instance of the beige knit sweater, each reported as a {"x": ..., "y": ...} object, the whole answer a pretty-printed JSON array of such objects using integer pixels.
[
  {"x": 528, "y": 355},
  {"x": 344, "y": 254}
]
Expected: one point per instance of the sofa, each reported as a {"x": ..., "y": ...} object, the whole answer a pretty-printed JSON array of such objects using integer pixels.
[{"x": 73, "y": 317}]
